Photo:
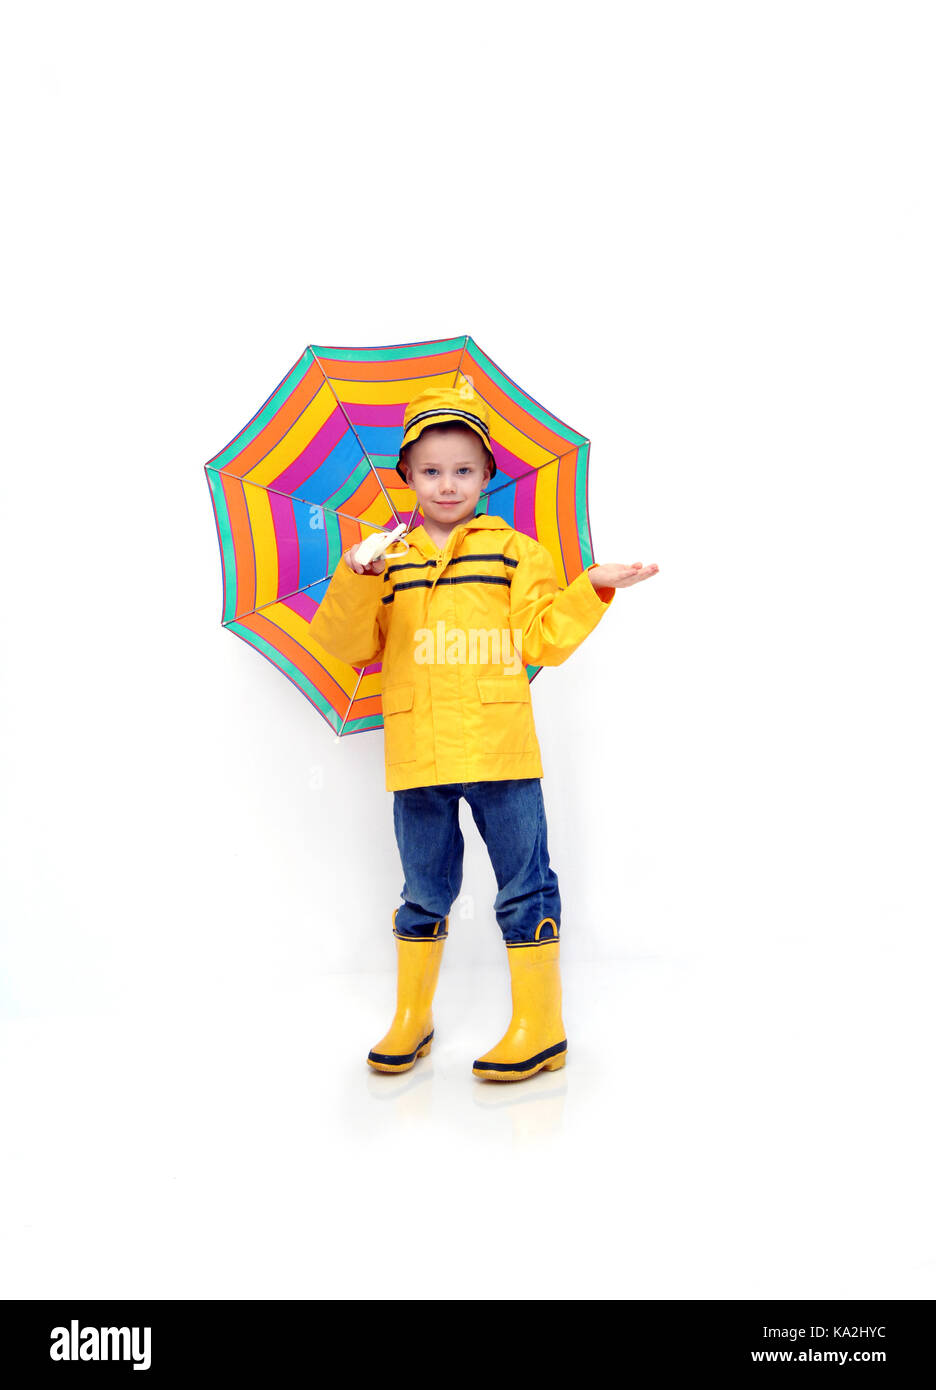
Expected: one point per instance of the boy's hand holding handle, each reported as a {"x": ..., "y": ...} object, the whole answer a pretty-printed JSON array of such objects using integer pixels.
[
  {"x": 375, "y": 567},
  {"x": 621, "y": 576},
  {"x": 363, "y": 557}
]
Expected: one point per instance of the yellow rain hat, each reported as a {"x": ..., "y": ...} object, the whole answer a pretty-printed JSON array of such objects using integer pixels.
[{"x": 459, "y": 405}]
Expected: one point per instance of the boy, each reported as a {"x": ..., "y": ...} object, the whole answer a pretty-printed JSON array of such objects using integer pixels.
[{"x": 458, "y": 720}]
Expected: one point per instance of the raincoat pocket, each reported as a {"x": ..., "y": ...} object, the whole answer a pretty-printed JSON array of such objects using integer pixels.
[
  {"x": 506, "y": 714},
  {"x": 399, "y": 733}
]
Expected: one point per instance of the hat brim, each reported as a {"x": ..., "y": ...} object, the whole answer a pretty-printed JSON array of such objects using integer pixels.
[{"x": 414, "y": 431}]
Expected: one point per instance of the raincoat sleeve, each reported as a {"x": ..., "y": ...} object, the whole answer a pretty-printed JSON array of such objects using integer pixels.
[
  {"x": 351, "y": 621},
  {"x": 553, "y": 621}
]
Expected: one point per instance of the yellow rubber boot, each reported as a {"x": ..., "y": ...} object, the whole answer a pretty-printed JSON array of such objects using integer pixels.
[
  {"x": 535, "y": 1040},
  {"x": 411, "y": 1032}
]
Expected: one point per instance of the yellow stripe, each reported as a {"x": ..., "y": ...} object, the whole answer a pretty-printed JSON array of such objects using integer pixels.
[
  {"x": 547, "y": 522},
  {"x": 387, "y": 392},
  {"x": 264, "y": 540}
]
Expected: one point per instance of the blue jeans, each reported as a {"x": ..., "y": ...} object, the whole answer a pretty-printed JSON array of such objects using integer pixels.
[{"x": 512, "y": 820}]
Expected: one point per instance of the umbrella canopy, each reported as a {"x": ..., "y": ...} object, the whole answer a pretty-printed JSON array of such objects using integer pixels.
[{"x": 314, "y": 472}]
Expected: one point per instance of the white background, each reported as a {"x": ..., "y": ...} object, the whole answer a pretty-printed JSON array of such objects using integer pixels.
[{"x": 702, "y": 234}]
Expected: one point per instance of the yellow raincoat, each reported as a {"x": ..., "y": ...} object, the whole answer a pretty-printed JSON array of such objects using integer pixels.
[{"x": 454, "y": 631}]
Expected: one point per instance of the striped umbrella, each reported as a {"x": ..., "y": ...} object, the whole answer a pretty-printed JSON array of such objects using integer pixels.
[{"x": 314, "y": 471}]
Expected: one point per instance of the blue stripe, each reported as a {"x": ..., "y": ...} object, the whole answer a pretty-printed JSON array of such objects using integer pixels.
[
  {"x": 523, "y": 1066},
  {"x": 397, "y": 1061}
]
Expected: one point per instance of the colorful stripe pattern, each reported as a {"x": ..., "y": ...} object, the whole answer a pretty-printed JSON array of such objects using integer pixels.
[{"x": 314, "y": 471}]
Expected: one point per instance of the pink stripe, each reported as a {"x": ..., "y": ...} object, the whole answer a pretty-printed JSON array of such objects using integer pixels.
[
  {"x": 304, "y": 604},
  {"x": 524, "y": 508},
  {"x": 507, "y": 464},
  {"x": 287, "y": 543},
  {"x": 313, "y": 455}
]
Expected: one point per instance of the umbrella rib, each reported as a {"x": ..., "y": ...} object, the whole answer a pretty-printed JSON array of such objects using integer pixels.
[
  {"x": 327, "y": 379},
  {"x": 351, "y": 701},
  {"x": 281, "y": 598},
  {"x": 553, "y": 458},
  {"x": 458, "y": 365}
]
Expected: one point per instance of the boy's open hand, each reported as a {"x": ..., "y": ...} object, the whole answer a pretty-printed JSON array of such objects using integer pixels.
[
  {"x": 620, "y": 576},
  {"x": 375, "y": 567}
]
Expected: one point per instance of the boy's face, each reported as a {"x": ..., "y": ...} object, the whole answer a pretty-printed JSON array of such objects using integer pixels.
[{"x": 447, "y": 472}]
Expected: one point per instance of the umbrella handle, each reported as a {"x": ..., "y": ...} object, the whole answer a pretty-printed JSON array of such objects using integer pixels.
[{"x": 395, "y": 554}]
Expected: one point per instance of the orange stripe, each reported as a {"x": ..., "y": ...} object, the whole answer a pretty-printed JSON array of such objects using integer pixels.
[
  {"x": 568, "y": 524},
  {"x": 402, "y": 369},
  {"x": 244, "y": 560}
]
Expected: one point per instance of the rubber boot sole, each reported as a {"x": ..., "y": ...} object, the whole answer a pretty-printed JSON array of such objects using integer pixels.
[
  {"x": 387, "y": 1061},
  {"x": 550, "y": 1060}
]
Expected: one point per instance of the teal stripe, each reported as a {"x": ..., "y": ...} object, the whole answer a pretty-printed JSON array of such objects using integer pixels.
[
  {"x": 389, "y": 354},
  {"x": 250, "y": 432},
  {"x": 223, "y": 520},
  {"x": 333, "y": 535},
  {"x": 581, "y": 510},
  {"x": 289, "y": 668},
  {"x": 350, "y": 485},
  {"x": 523, "y": 400}
]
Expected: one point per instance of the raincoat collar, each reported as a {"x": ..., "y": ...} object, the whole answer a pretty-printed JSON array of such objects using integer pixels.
[{"x": 420, "y": 538}]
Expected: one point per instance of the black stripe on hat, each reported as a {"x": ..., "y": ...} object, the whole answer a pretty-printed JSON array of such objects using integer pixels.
[{"x": 448, "y": 410}]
